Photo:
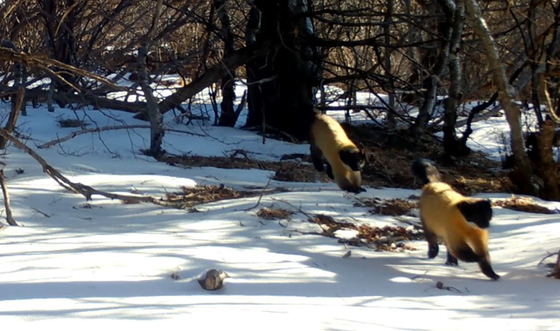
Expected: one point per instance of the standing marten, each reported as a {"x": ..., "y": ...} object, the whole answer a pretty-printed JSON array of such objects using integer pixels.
[
  {"x": 461, "y": 221},
  {"x": 344, "y": 158}
]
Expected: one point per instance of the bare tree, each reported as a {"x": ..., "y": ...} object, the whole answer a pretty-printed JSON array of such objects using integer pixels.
[
  {"x": 456, "y": 15},
  {"x": 432, "y": 81},
  {"x": 228, "y": 115},
  {"x": 156, "y": 125},
  {"x": 505, "y": 96},
  {"x": 285, "y": 74}
]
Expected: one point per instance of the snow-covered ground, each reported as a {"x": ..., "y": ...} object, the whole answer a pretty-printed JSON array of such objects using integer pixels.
[{"x": 75, "y": 264}]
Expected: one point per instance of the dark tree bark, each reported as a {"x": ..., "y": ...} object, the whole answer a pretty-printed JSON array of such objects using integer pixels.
[
  {"x": 60, "y": 18},
  {"x": 546, "y": 166},
  {"x": 431, "y": 83},
  {"x": 451, "y": 144},
  {"x": 282, "y": 81},
  {"x": 18, "y": 98},
  {"x": 391, "y": 120},
  {"x": 228, "y": 115},
  {"x": 17, "y": 105},
  {"x": 9, "y": 216},
  {"x": 556, "y": 271}
]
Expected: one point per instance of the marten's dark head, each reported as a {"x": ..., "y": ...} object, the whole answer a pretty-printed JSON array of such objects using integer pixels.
[
  {"x": 353, "y": 157},
  {"x": 477, "y": 211},
  {"x": 425, "y": 171}
]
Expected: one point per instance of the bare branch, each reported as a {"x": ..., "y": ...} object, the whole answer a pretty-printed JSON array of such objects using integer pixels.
[
  {"x": 85, "y": 190},
  {"x": 107, "y": 128},
  {"x": 9, "y": 216}
]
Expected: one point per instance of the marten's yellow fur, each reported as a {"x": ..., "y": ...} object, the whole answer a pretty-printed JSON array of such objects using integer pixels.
[
  {"x": 460, "y": 221},
  {"x": 344, "y": 158}
]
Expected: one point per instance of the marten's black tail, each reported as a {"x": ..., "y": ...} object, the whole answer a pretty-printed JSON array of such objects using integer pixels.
[{"x": 425, "y": 171}]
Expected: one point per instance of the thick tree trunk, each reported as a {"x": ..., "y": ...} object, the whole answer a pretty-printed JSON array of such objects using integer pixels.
[
  {"x": 282, "y": 81},
  {"x": 431, "y": 83},
  {"x": 152, "y": 110},
  {"x": 228, "y": 116},
  {"x": 522, "y": 166},
  {"x": 546, "y": 166},
  {"x": 255, "y": 115}
]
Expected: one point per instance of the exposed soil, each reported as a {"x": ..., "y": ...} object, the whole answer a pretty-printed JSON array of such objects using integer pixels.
[
  {"x": 523, "y": 204},
  {"x": 389, "y": 160},
  {"x": 390, "y": 157},
  {"x": 388, "y": 164}
]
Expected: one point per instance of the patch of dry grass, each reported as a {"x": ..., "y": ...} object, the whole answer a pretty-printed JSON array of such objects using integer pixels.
[
  {"x": 274, "y": 213},
  {"x": 387, "y": 238},
  {"x": 200, "y": 194},
  {"x": 524, "y": 204},
  {"x": 391, "y": 207}
]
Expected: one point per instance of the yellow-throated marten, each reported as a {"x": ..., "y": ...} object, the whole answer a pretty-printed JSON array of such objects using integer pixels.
[
  {"x": 344, "y": 158},
  {"x": 462, "y": 222}
]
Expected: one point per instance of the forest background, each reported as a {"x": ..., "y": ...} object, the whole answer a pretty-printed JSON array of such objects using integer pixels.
[{"x": 430, "y": 56}]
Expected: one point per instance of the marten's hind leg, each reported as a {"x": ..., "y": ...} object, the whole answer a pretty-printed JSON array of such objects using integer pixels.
[{"x": 467, "y": 254}]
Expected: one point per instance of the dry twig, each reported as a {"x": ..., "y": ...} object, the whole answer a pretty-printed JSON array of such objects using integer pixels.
[
  {"x": 9, "y": 216},
  {"x": 556, "y": 271}
]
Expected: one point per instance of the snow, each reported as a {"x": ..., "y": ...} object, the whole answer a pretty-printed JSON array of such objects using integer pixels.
[{"x": 79, "y": 264}]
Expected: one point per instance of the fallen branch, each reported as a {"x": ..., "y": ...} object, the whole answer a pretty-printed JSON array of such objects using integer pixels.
[
  {"x": 440, "y": 286},
  {"x": 85, "y": 190},
  {"x": 261, "y": 195}
]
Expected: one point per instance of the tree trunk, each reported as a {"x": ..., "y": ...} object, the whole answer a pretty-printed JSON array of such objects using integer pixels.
[
  {"x": 451, "y": 144},
  {"x": 17, "y": 104},
  {"x": 18, "y": 99},
  {"x": 255, "y": 115},
  {"x": 546, "y": 166},
  {"x": 228, "y": 116},
  {"x": 387, "y": 22},
  {"x": 556, "y": 271},
  {"x": 9, "y": 216},
  {"x": 522, "y": 166},
  {"x": 156, "y": 118},
  {"x": 281, "y": 81},
  {"x": 60, "y": 18},
  {"x": 431, "y": 82}
]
